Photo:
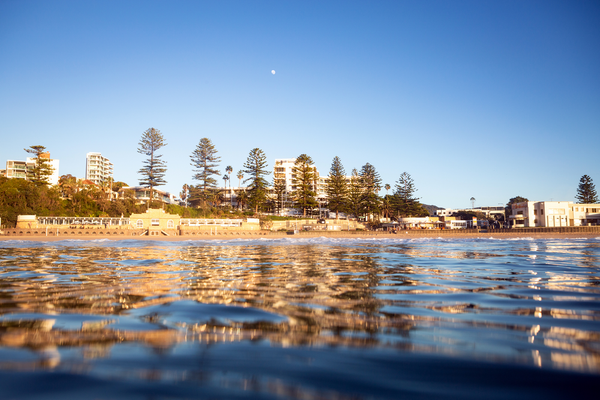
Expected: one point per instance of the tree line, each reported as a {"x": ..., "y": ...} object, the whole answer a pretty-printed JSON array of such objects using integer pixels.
[{"x": 357, "y": 195}]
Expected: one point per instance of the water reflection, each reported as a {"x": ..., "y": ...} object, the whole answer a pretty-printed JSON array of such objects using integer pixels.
[{"x": 526, "y": 302}]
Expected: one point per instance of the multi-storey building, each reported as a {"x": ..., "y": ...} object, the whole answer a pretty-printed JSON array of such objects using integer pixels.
[
  {"x": 283, "y": 172},
  {"x": 98, "y": 169},
  {"x": 24, "y": 169},
  {"x": 19, "y": 169},
  {"x": 554, "y": 214}
]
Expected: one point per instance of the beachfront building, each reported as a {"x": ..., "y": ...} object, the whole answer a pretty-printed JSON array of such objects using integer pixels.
[
  {"x": 142, "y": 194},
  {"x": 98, "y": 169},
  {"x": 24, "y": 169},
  {"x": 586, "y": 214},
  {"x": 155, "y": 221},
  {"x": 488, "y": 211},
  {"x": 554, "y": 214}
]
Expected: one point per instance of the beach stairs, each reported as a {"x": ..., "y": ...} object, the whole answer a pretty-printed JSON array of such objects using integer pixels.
[{"x": 154, "y": 232}]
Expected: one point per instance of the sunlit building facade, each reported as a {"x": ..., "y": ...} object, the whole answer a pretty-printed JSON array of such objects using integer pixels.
[
  {"x": 98, "y": 169},
  {"x": 283, "y": 172},
  {"x": 24, "y": 169},
  {"x": 554, "y": 214}
]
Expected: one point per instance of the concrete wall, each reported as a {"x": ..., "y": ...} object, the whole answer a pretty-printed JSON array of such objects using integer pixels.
[
  {"x": 74, "y": 233},
  {"x": 27, "y": 221}
]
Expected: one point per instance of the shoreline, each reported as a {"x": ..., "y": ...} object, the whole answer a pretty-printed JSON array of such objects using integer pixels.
[{"x": 308, "y": 235}]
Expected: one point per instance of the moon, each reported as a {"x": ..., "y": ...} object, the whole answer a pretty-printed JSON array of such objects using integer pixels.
[{"x": 273, "y": 71}]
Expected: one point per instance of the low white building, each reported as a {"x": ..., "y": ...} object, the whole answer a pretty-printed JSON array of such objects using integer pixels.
[
  {"x": 142, "y": 194},
  {"x": 421, "y": 223},
  {"x": 488, "y": 211},
  {"x": 460, "y": 224},
  {"x": 553, "y": 214}
]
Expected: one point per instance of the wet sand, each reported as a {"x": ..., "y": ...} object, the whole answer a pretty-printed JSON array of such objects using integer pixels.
[{"x": 307, "y": 235}]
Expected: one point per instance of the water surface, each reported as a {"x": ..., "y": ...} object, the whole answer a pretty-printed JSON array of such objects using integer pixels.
[{"x": 302, "y": 318}]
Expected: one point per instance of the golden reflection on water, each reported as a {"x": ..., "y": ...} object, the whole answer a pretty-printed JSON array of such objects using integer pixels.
[{"x": 399, "y": 296}]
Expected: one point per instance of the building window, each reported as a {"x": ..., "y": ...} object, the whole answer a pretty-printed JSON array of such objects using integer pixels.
[
  {"x": 170, "y": 224},
  {"x": 139, "y": 223},
  {"x": 155, "y": 222}
]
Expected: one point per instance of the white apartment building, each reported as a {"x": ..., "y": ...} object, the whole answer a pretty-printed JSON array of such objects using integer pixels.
[
  {"x": 24, "y": 169},
  {"x": 554, "y": 214},
  {"x": 98, "y": 169},
  {"x": 283, "y": 171},
  {"x": 18, "y": 169}
]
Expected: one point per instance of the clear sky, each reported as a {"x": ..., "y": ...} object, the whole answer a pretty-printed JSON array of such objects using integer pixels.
[{"x": 484, "y": 99}]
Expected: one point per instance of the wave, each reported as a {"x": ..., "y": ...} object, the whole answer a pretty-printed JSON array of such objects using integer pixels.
[{"x": 265, "y": 241}]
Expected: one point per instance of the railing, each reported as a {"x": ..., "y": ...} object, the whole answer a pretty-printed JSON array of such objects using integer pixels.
[{"x": 82, "y": 221}]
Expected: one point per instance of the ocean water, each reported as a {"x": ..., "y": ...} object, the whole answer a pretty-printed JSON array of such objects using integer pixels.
[{"x": 300, "y": 319}]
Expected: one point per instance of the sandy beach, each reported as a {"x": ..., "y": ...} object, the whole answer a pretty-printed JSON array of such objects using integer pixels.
[{"x": 307, "y": 235}]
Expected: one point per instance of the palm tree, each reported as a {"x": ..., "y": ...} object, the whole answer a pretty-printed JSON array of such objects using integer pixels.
[
  {"x": 242, "y": 199},
  {"x": 240, "y": 176},
  {"x": 229, "y": 170},
  {"x": 386, "y": 206},
  {"x": 185, "y": 192},
  {"x": 106, "y": 188},
  {"x": 387, "y": 187},
  {"x": 225, "y": 177},
  {"x": 216, "y": 198}
]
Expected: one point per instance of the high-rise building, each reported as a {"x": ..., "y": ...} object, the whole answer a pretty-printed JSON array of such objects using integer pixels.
[
  {"x": 98, "y": 169},
  {"x": 282, "y": 172}
]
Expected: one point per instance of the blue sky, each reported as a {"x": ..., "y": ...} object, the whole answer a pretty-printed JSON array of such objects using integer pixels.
[{"x": 473, "y": 98}]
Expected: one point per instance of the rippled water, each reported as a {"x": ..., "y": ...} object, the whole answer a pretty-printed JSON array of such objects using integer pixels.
[{"x": 302, "y": 318}]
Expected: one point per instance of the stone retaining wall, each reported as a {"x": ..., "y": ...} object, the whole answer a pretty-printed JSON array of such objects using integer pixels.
[
  {"x": 100, "y": 232},
  {"x": 451, "y": 232},
  {"x": 190, "y": 232},
  {"x": 222, "y": 232},
  {"x": 202, "y": 229},
  {"x": 564, "y": 229},
  {"x": 72, "y": 232}
]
